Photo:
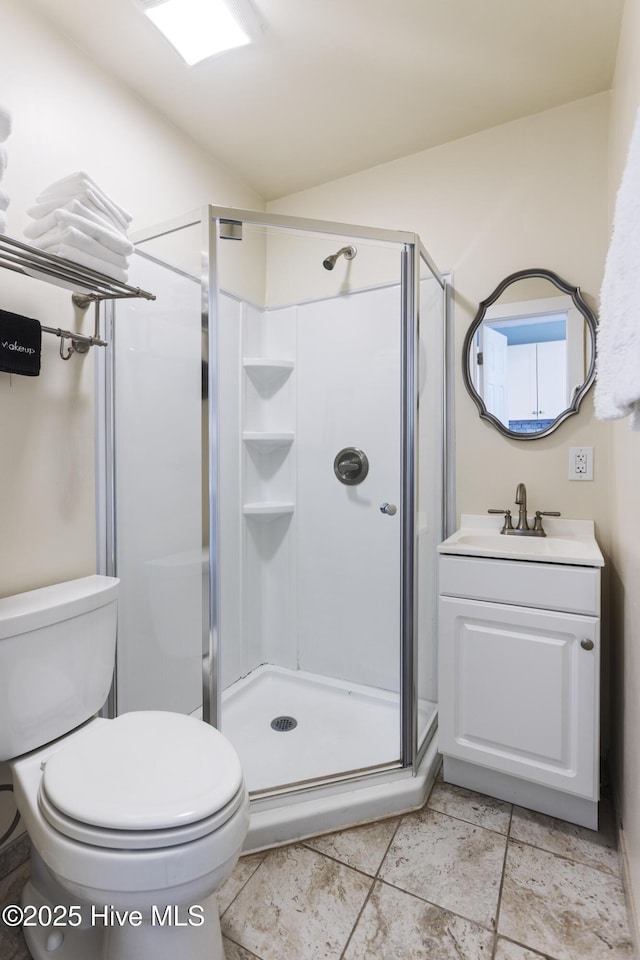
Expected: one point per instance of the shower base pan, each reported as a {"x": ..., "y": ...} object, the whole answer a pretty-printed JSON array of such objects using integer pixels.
[{"x": 293, "y": 730}]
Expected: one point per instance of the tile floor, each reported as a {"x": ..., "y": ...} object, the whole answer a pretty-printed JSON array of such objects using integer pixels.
[{"x": 465, "y": 878}]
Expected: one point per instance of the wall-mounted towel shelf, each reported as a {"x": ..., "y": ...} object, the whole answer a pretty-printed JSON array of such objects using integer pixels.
[{"x": 89, "y": 286}]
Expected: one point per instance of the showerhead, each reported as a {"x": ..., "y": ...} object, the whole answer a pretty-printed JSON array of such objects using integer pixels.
[{"x": 347, "y": 252}]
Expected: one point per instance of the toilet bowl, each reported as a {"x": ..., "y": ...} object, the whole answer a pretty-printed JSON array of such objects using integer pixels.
[{"x": 134, "y": 822}]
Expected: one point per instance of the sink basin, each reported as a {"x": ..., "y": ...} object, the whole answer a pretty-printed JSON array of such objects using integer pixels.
[{"x": 567, "y": 541}]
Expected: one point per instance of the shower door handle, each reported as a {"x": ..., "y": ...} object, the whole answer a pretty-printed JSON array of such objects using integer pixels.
[
  {"x": 351, "y": 466},
  {"x": 389, "y": 508}
]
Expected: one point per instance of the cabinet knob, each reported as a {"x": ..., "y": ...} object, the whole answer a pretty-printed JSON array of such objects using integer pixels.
[{"x": 586, "y": 644}]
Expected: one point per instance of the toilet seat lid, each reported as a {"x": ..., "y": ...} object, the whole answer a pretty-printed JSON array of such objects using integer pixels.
[{"x": 146, "y": 770}]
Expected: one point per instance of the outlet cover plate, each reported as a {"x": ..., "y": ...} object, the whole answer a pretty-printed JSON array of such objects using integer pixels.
[{"x": 580, "y": 463}]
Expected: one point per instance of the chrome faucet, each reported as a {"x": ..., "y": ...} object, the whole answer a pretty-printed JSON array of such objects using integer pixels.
[{"x": 522, "y": 528}]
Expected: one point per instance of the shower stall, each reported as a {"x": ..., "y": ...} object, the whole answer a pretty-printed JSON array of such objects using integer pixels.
[{"x": 272, "y": 467}]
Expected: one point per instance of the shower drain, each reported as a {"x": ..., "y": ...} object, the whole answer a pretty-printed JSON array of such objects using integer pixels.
[{"x": 282, "y": 724}]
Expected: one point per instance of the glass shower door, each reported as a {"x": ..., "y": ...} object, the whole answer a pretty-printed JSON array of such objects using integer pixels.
[
  {"x": 157, "y": 513},
  {"x": 310, "y": 627}
]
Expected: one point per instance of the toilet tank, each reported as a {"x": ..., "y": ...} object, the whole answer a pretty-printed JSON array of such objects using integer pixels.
[{"x": 57, "y": 653}]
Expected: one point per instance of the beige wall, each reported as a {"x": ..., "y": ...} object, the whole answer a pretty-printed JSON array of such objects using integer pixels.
[
  {"x": 625, "y": 512},
  {"x": 69, "y": 116},
  {"x": 529, "y": 193}
]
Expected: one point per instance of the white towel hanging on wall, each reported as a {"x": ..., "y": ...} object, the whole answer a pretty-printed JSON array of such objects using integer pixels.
[
  {"x": 617, "y": 392},
  {"x": 5, "y": 123}
]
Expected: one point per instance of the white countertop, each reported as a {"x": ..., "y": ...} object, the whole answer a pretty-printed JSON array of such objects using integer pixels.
[{"x": 566, "y": 541}]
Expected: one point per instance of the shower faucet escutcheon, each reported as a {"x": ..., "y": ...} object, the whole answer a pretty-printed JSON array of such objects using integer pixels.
[{"x": 522, "y": 528}]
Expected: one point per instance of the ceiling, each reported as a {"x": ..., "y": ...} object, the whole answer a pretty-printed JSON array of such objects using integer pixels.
[{"x": 337, "y": 86}]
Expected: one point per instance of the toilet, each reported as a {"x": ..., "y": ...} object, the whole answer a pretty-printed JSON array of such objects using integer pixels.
[{"x": 134, "y": 822}]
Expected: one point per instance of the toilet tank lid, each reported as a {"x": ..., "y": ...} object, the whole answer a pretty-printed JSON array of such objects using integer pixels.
[{"x": 34, "y": 609}]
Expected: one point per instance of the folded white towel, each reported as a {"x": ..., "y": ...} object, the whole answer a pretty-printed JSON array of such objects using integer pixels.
[
  {"x": 617, "y": 392},
  {"x": 4, "y": 199},
  {"x": 86, "y": 260},
  {"x": 81, "y": 182},
  {"x": 80, "y": 241},
  {"x": 5, "y": 123},
  {"x": 106, "y": 212},
  {"x": 115, "y": 242},
  {"x": 3, "y": 221},
  {"x": 82, "y": 205}
]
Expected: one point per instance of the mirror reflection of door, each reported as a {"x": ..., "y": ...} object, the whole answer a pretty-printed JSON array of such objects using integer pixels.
[
  {"x": 492, "y": 360},
  {"x": 532, "y": 358}
]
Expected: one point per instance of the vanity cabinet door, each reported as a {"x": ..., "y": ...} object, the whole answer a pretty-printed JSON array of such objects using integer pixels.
[{"x": 519, "y": 692}]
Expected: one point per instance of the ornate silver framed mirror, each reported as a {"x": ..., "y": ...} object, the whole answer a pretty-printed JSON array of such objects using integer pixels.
[{"x": 529, "y": 354}]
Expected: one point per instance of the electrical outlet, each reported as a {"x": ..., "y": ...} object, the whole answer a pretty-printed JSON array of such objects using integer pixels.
[{"x": 580, "y": 463}]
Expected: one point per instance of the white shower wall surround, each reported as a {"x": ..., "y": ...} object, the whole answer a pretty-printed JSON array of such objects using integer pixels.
[{"x": 321, "y": 576}]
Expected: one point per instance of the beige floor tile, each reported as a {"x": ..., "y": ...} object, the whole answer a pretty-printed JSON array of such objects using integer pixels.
[
  {"x": 473, "y": 807},
  {"x": 562, "y": 908},
  {"x": 453, "y": 864},
  {"x": 361, "y": 847},
  {"x": 568, "y": 840},
  {"x": 300, "y": 905},
  {"x": 511, "y": 951},
  {"x": 12, "y": 945},
  {"x": 233, "y": 952},
  {"x": 14, "y": 854},
  {"x": 397, "y": 925},
  {"x": 244, "y": 868}
]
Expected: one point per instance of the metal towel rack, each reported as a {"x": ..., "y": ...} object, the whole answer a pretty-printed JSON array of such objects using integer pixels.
[{"x": 31, "y": 261}]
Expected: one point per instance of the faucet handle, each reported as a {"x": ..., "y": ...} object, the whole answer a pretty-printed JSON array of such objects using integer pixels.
[
  {"x": 537, "y": 523},
  {"x": 507, "y": 519}
]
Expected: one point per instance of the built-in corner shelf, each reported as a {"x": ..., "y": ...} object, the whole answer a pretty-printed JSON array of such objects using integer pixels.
[
  {"x": 268, "y": 509},
  {"x": 267, "y": 458},
  {"x": 266, "y": 441},
  {"x": 266, "y": 371}
]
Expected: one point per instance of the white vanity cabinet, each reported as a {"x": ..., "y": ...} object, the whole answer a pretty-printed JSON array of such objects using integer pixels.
[{"x": 519, "y": 657}]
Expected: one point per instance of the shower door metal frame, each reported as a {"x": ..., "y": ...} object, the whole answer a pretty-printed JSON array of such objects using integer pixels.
[
  {"x": 410, "y": 274},
  {"x": 209, "y": 218}
]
